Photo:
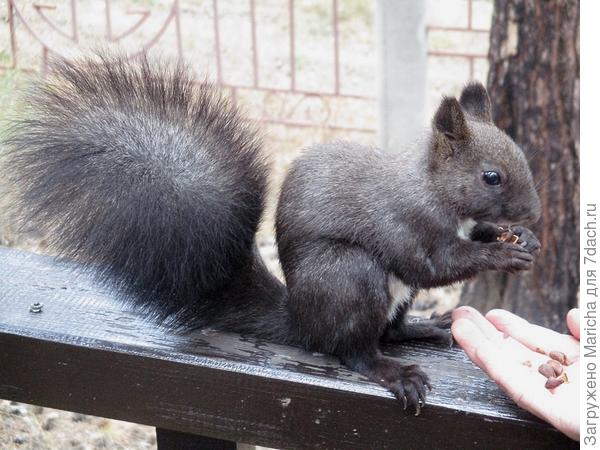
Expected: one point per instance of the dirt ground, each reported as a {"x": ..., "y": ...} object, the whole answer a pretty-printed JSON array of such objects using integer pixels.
[
  {"x": 28, "y": 427},
  {"x": 36, "y": 428}
]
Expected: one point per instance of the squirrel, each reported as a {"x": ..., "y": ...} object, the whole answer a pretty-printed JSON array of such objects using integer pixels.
[{"x": 157, "y": 183}]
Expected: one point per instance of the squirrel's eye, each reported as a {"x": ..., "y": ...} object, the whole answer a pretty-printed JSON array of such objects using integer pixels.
[{"x": 492, "y": 178}]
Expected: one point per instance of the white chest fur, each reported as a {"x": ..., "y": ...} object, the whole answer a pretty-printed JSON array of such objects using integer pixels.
[
  {"x": 465, "y": 227},
  {"x": 400, "y": 293}
]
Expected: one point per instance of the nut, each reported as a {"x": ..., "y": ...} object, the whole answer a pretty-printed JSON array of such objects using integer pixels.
[
  {"x": 507, "y": 236},
  {"x": 558, "y": 356},
  {"x": 551, "y": 369},
  {"x": 547, "y": 371},
  {"x": 552, "y": 383},
  {"x": 558, "y": 368}
]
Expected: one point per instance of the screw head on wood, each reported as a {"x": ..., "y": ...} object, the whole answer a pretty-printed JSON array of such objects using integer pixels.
[{"x": 36, "y": 307}]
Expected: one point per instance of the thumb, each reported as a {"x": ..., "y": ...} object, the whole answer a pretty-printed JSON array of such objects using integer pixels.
[{"x": 573, "y": 322}]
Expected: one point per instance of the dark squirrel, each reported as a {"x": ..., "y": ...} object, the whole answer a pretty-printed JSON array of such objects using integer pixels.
[{"x": 157, "y": 183}]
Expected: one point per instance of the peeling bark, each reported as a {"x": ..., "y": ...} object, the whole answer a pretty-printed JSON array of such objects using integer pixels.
[{"x": 533, "y": 82}]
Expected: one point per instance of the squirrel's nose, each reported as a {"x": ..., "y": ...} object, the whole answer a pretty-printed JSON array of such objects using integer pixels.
[{"x": 526, "y": 210}]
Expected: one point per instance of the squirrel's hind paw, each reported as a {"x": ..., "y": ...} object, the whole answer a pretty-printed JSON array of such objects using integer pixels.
[
  {"x": 409, "y": 384},
  {"x": 443, "y": 320}
]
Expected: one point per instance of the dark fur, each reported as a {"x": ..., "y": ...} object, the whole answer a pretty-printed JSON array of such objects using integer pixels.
[
  {"x": 156, "y": 182},
  {"x": 475, "y": 100},
  {"x": 350, "y": 216},
  {"x": 158, "y": 185}
]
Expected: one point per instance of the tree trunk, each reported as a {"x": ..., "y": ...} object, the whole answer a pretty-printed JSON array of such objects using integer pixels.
[{"x": 533, "y": 82}]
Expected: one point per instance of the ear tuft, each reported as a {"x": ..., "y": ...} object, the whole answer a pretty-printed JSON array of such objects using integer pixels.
[
  {"x": 476, "y": 101},
  {"x": 450, "y": 120}
]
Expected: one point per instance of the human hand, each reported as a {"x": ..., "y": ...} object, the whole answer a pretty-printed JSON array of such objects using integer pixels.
[{"x": 510, "y": 350}]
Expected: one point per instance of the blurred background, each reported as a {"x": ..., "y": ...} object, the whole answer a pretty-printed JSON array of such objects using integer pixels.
[{"x": 315, "y": 70}]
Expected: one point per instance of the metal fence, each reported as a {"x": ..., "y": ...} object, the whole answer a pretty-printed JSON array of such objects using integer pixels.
[
  {"x": 469, "y": 28},
  {"x": 296, "y": 105}
]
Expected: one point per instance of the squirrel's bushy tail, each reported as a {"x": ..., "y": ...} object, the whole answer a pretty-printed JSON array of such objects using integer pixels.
[{"x": 132, "y": 168}]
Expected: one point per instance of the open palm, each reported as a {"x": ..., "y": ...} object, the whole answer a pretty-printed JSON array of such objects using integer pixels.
[{"x": 510, "y": 350}]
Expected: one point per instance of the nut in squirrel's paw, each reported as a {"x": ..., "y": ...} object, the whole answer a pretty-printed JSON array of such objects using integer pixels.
[{"x": 508, "y": 236}]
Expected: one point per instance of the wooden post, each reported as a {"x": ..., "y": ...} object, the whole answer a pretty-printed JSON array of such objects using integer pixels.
[
  {"x": 174, "y": 440},
  {"x": 402, "y": 61}
]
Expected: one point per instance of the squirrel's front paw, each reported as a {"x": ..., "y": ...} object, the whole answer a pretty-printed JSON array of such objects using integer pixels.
[
  {"x": 522, "y": 236},
  {"x": 511, "y": 257},
  {"x": 527, "y": 239}
]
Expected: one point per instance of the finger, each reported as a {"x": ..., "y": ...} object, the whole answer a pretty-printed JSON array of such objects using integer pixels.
[
  {"x": 573, "y": 322},
  {"x": 472, "y": 328},
  {"x": 519, "y": 251},
  {"x": 538, "y": 339},
  {"x": 468, "y": 313},
  {"x": 531, "y": 394},
  {"x": 493, "y": 359},
  {"x": 527, "y": 238},
  {"x": 524, "y": 386},
  {"x": 534, "y": 243},
  {"x": 487, "y": 330},
  {"x": 468, "y": 336}
]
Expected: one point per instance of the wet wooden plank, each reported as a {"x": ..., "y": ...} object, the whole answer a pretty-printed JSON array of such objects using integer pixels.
[{"x": 87, "y": 352}]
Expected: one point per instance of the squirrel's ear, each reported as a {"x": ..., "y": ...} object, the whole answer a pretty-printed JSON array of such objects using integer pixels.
[
  {"x": 450, "y": 120},
  {"x": 476, "y": 101}
]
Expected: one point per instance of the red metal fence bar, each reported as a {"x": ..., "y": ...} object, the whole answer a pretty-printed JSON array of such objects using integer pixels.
[
  {"x": 470, "y": 57},
  {"x": 292, "y": 46},
  {"x": 256, "y": 84},
  {"x": 108, "y": 16},
  {"x": 336, "y": 46},
  {"x": 254, "y": 46},
  {"x": 13, "y": 37},
  {"x": 217, "y": 42}
]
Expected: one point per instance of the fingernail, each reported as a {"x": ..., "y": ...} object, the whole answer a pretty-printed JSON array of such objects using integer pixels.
[{"x": 463, "y": 327}]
